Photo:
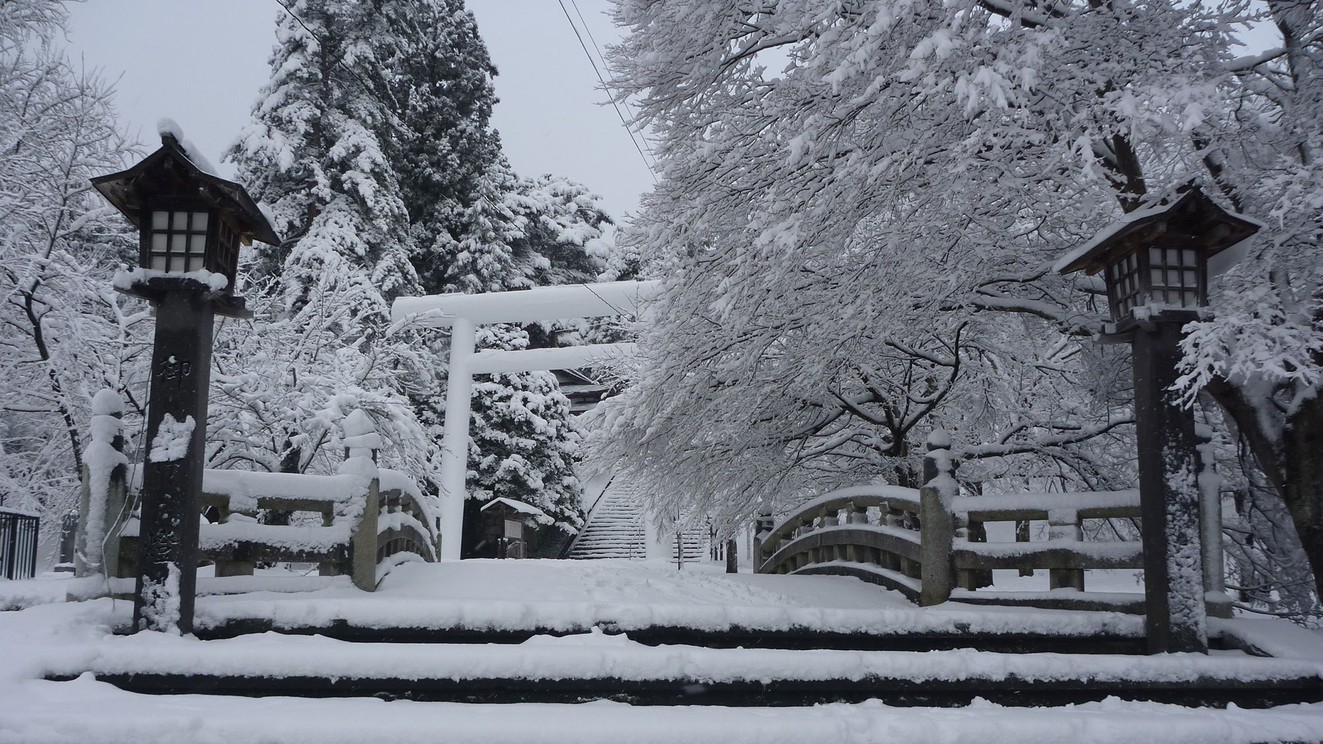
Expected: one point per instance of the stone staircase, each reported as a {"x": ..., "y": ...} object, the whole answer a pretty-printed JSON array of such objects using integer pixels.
[
  {"x": 742, "y": 666},
  {"x": 616, "y": 529},
  {"x": 628, "y": 636}
]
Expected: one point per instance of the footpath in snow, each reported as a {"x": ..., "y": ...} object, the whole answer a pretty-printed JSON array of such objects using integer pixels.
[{"x": 576, "y": 596}]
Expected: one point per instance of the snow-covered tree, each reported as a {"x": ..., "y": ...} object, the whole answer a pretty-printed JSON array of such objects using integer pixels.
[
  {"x": 431, "y": 71},
  {"x": 324, "y": 150},
  {"x": 372, "y": 143},
  {"x": 283, "y": 383},
  {"x": 868, "y": 191},
  {"x": 520, "y": 233},
  {"x": 1261, "y": 355},
  {"x": 525, "y": 443},
  {"x": 563, "y": 224},
  {"x": 488, "y": 256},
  {"x": 64, "y": 333},
  {"x": 316, "y": 153}
]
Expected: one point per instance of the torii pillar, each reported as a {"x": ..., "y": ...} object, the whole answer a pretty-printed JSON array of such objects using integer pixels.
[{"x": 462, "y": 313}]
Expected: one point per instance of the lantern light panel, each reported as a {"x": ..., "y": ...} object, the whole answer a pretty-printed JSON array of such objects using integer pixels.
[
  {"x": 1175, "y": 277},
  {"x": 178, "y": 241}
]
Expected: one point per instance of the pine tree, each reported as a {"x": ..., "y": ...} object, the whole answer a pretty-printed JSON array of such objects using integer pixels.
[
  {"x": 563, "y": 225},
  {"x": 524, "y": 442},
  {"x": 433, "y": 74},
  {"x": 314, "y": 152},
  {"x": 487, "y": 255},
  {"x": 522, "y": 233},
  {"x": 318, "y": 152}
]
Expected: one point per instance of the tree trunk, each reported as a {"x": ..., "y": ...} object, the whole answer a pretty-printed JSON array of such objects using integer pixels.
[
  {"x": 1302, "y": 482},
  {"x": 1291, "y": 459}
]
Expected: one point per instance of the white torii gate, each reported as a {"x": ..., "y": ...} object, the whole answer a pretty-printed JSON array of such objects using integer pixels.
[{"x": 463, "y": 313}]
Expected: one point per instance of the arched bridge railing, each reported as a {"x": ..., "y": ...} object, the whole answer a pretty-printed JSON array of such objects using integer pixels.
[
  {"x": 929, "y": 543},
  {"x": 407, "y": 530},
  {"x": 365, "y": 520},
  {"x": 871, "y": 532}
]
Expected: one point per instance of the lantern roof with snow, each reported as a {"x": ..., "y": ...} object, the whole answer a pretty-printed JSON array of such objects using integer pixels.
[
  {"x": 1192, "y": 219},
  {"x": 172, "y": 172}
]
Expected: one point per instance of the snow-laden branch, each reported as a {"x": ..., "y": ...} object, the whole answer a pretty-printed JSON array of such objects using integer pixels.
[
  {"x": 1017, "y": 12},
  {"x": 1250, "y": 61},
  {"x": 1068, "y": 434}
]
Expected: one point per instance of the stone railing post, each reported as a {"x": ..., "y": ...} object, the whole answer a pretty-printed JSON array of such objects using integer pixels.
[
  {"x": 1064, "y": 524},
  {"x": 857, "y": 514},
  {"x": 361, "y": 443},
  {"x": 1022, "y": 535},
  {"x": 975, "y": 531},
  {"x": 830, "y": 517},
  {"x": 227, "y": 566},
  {"x": 104, "y": 491},
  {"x": 1210, "y": 525},
  {"x": 936, "y": 523},
  {"x": 364, "y": 541},
  {"x": 761, "y": 527}
]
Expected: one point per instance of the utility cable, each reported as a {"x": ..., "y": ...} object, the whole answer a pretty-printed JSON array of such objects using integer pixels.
[
  {"x": 602, "y": 58},
  {"x": 601, "y": 79}
]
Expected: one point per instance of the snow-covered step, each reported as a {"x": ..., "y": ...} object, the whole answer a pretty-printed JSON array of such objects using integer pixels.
[
  {"x": 709, "y": 632},
  {"x": 116, "y": 716},
  {"x": 543, "y": 615},
  {"x": 595, "y": 665}
]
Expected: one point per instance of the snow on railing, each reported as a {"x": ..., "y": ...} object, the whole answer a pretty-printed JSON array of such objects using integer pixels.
[
  {"x": 930, "y": 543},
  {"x": 371, "y": 518},
  {"x": 868, "y": 531}
]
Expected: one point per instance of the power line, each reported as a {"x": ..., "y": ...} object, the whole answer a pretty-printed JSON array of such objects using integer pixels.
[
  {"x": 601, "y": 79},
  {"x": 588, "y": 30}
]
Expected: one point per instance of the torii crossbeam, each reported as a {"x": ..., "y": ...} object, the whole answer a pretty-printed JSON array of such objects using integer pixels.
[{"x": 463, "y": 313}]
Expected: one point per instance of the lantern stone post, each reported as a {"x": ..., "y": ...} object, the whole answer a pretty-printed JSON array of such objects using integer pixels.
[
  {"x": 1155, "y": 265},
  {"x": 191, "y": 223}
]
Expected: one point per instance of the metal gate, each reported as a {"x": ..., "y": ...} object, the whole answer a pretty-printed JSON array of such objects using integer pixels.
[{"x": 18, "y": 544}]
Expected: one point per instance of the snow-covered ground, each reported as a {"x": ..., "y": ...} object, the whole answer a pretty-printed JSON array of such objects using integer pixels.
[{"x": 74, "y": 636}]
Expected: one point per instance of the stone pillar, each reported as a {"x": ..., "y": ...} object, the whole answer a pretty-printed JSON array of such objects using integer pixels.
[
  {"x": 361, "y": 443},
  {"x": 1064, "y": 524},
  {"x": 172, "y": 470},
  {"x": 1169, "y": 493},
  {"x": 105, "y": 489},
  {"x": 1210, "y": 525},
  {"x": 761, "y": 526},
  {"x": 936, "y": 523}
]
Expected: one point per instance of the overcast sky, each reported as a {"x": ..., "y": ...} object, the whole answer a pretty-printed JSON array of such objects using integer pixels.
[{"x": 201, "y": 63}]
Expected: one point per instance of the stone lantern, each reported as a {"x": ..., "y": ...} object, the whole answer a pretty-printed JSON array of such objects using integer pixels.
[
  {"x": 191, "y": 224},
  {"x": 1155, "y": 265}
]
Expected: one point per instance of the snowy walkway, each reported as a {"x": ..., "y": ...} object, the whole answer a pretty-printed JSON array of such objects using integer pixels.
[
  {"x": 575, "y": 596},
  {"x": 61, "y": 637}
]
